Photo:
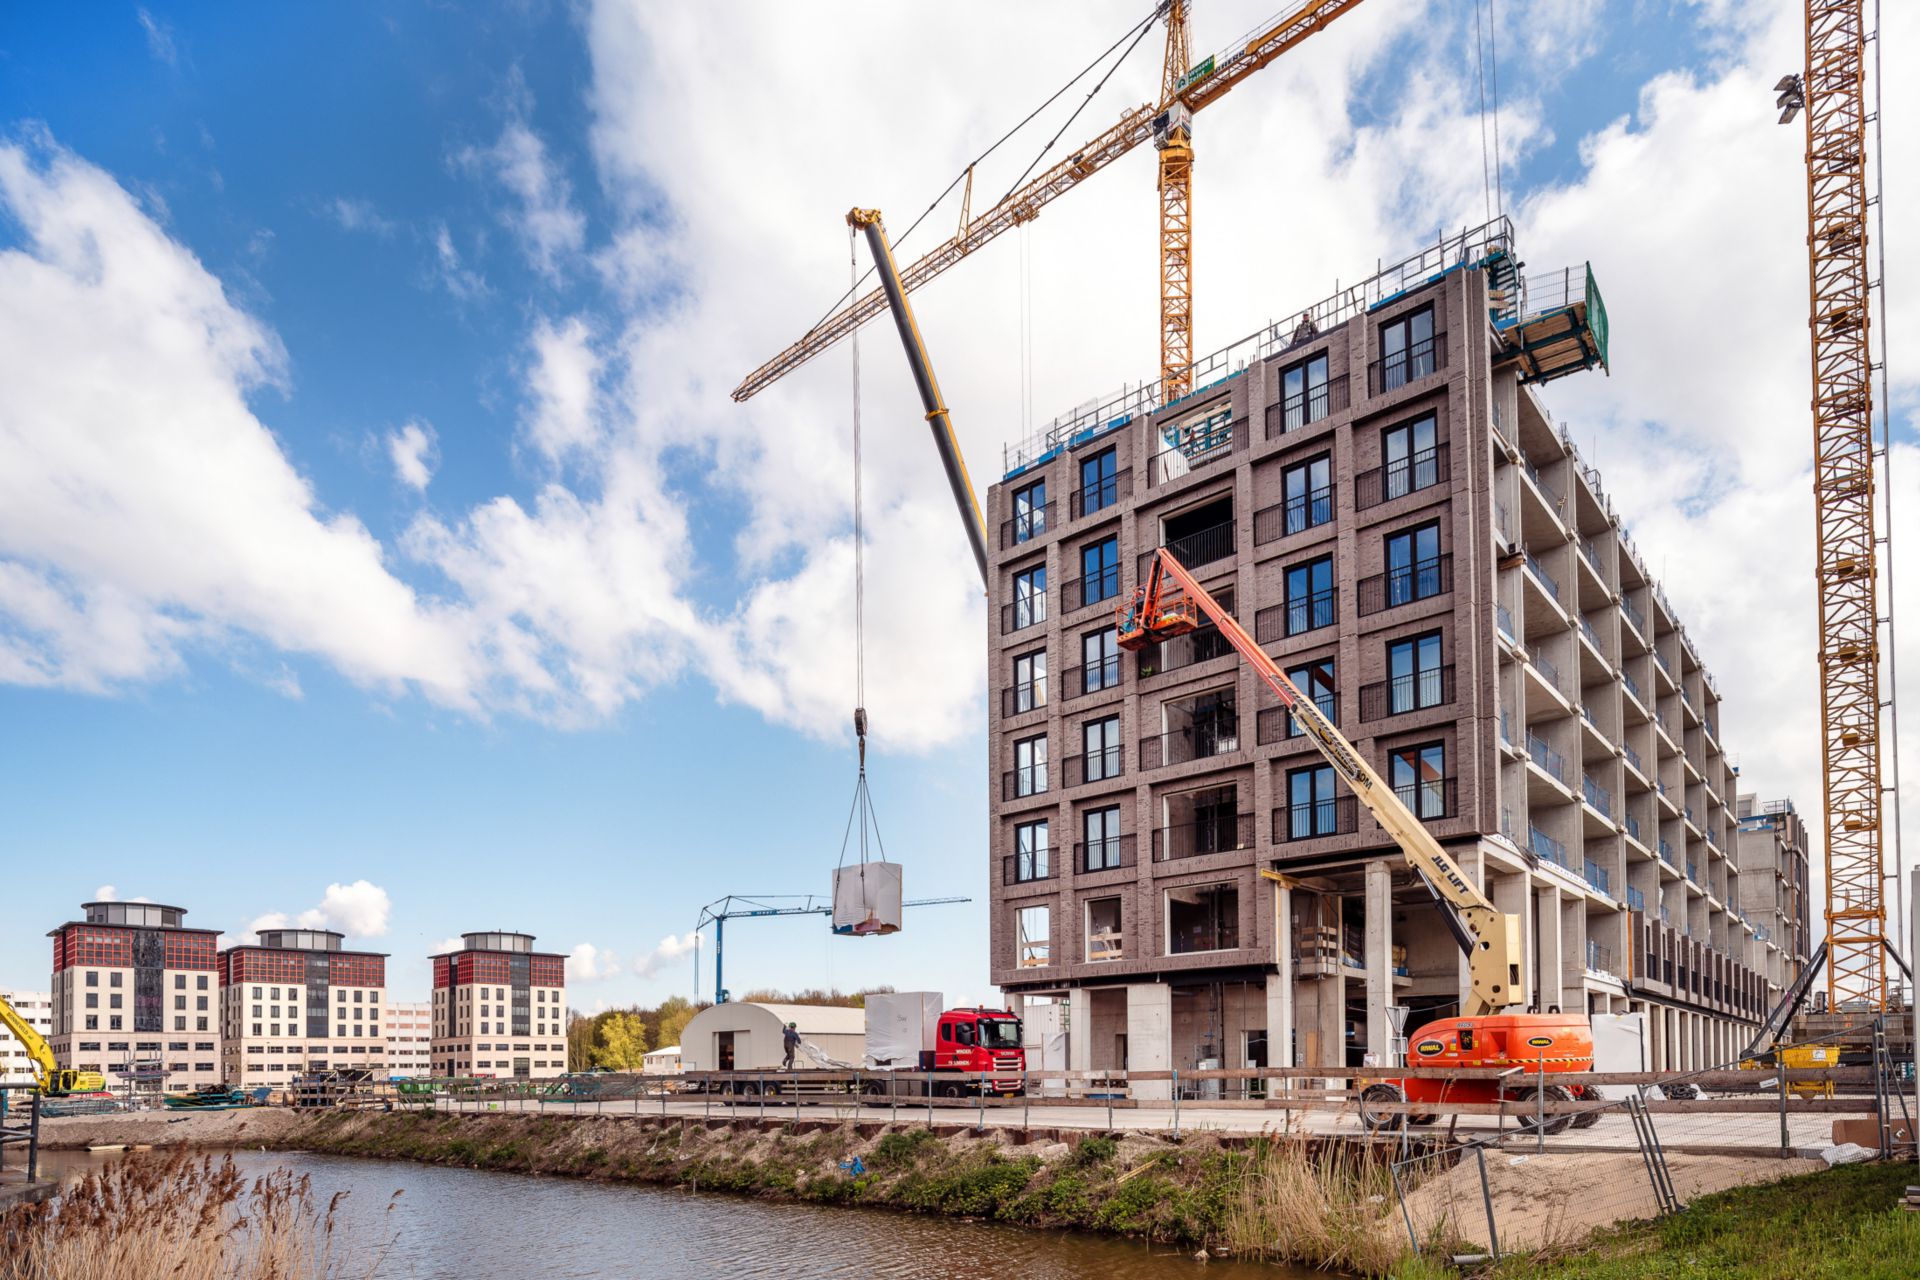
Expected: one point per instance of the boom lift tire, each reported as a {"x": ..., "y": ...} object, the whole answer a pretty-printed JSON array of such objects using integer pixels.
[
  {"x": 1530, "y": 1094},
  {"x": 1587, "y": 1093},
  {"x": 1377, "y": 1095}
]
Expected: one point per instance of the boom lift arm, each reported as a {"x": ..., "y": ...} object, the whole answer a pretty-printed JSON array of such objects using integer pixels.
[
  {"x": 1170, "y": 604},
  {"x": 868, "y": 220},
  {"x": 54, "y": 1081}
]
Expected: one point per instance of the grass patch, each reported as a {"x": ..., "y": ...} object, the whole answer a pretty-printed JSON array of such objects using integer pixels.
[
  {"x": 1838, "y": 1224},
  {"x": 1326, "y": 1208}
]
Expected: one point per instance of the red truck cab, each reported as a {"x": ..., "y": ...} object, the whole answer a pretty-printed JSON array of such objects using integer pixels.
[{"x": 981, "y": 1041}]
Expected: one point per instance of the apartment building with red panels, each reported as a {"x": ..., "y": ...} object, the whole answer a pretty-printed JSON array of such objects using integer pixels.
[
  {"x": 297, "y": 1003},
  {"x": 499, "y": 1009}
]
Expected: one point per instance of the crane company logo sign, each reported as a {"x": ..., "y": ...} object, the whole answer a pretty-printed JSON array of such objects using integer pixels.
[
  {"x": 1540, "y": 1042},
  {"x": 1427, "y": 1048}
]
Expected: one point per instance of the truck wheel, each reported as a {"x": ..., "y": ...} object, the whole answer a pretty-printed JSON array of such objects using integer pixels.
[
  {"x": 952, "y": 1091},
  {"x": 1375, "y": 1095},
  {"x": 872, "y": 1088},
  {"x": 750, "y": 1090},
  {"x": 1554, "y": 1093}
]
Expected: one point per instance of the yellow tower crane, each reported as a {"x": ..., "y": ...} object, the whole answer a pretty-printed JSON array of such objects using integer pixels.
[
  {"x": 1832, "y": 92},
  {"x": 1168, "y": 124}
]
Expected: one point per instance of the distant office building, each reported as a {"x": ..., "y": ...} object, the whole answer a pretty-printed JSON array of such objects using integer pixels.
[
  {"x": 299, "y": 1002},
  {"x": 409, "y": 1038},
  {"x": 499, "y": 1009},
  {"x": 36, "y": 1007},
  {"x": 133, "y": 997}
]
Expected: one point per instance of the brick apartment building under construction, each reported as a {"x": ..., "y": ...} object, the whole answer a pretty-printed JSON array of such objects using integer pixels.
[{"x": 1376, "y": 490}]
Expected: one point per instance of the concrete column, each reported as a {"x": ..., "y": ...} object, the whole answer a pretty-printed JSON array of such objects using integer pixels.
[
  {"x": 1378, "y": 955},
  {"x": 1150, "y": 1036},
  {"x": 1333, "y": 1021},
  {"x": 1551, "y": 952},
  {"x": 1079, "y": 1029},
  {"x": 1280, "y": 983}
]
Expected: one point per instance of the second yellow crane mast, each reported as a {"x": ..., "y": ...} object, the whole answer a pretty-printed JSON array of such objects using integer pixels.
[
  {"x": 1843, "y": 495},
  {"x": 1173, "y": 136}
]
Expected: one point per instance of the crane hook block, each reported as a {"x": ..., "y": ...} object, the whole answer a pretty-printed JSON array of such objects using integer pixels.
[{"x": 860, "y": 722}]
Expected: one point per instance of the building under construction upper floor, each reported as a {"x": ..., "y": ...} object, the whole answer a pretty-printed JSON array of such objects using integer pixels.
[{"x": 1377, "y": 491}]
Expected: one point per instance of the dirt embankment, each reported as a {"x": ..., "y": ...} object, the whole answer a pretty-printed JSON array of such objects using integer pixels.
[{"x": 246, "y": 1127}]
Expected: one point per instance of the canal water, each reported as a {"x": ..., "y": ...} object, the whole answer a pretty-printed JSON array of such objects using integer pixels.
[{"x": 464, "y": 1224}]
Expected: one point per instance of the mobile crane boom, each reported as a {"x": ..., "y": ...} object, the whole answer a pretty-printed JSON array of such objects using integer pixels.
[
  {"x": 53, "y": 1080},
  {"x": 868, "y": 220},
  {"x": 1169, "y": 604}
]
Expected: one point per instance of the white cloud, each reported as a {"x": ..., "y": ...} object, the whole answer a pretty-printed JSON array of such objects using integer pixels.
[
  {"x": 359, "y": 910},
  {"x": 672, "y": 947},
  {"x": 353, "y": 214},
  {"x": 562, "y": 386},
  {"x": 107, "y": 893},
  {"x": 160, "y": 512},
  {"x": 550, "y": 229},
  {"x": 160, "y": 41},
  {"x": 461, "y": 281},
  {"x": 588, "y": 963},
  {"x": 445, "y": 945},
  {"x": 414, "y": 451}
]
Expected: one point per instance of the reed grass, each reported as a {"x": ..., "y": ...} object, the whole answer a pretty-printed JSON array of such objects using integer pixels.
[
  {"x": 1326, "y": 1207},
  {"x": 184, "y": 1219}
]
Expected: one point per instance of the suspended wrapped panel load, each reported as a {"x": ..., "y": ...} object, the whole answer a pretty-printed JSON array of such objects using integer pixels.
[{"x": 866, "y": 899}]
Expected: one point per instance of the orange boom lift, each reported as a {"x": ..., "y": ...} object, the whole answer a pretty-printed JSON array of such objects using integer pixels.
[{"x": 1494, "y": 1029}]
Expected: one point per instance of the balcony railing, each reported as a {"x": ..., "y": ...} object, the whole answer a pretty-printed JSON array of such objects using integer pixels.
[
  {"x": 1596, "y": 795},
  {"x": 1666, "y": 851},
  {"x": 1201, "y": 741},
  {"x": 1295, "y": 515},
  {"x": 1110, "y": 854},
  {"x": 1541, "y": 575},
  {"x": 1636, "y": 900},
  {"x": 1546, "y": 757},
  {"x": 1415, "y": 691},
  {"x": 1203, "y": 645},
  {"x": 1633, "y": 826},
  {"x": 1633, "y": 686},
  {"x": 1547, "y": 670},
  {"x": 1295, "y": 617},
  {"x": 1586, "y": 629},
  {"x": 1094, "y": 766},
  {"x": 1307, "y": 406},
  {"x": 1339, "y": 816},
  {"x": 1222, "y": 834},
  {"x": 1506, "y": 728},
  {"x": 1201, "y": 448},
  {"x": 1633, "y": 615},
  {"x": 1391, "y": 372},
  {"x": 1693, "y": 871},
  {"x": 1430, "y": 798},
  {"x": 1092, "y": 677},
  {"x": 1599, "y": 957},
  {"x": 1202, "y": 546},
  {"x": 1017, "y": 784},
  {"x": 1503, "y": 618},
  {"x": 1596, "y": 875},
  {"x": 1400, "y": 477},
  {"x": 1101, "y": 494},
  {"x": 1024, "y": 526},
  {"x": 1276, "y": 724},
  {"x": 1023, "y": 868},
  {"x": 1018, "y": 615},
  {"x": 1545, "y": 846},
  {"x": 1018, "y": 699},
  {"x": 1077, "y": 593},
  {"x": 1405, "y": 584}
]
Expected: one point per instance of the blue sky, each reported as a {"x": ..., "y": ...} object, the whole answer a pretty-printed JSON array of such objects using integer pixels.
[{"x": 382, "y": 516}]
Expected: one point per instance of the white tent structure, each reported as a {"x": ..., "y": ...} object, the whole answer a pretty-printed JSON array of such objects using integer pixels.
[
  {"x": 746, "y": 1036},
  {"x": 662, "y": 1062}
]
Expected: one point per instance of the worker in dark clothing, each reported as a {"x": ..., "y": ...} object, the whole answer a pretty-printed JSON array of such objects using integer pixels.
[{"x": 791, "y": 1038}]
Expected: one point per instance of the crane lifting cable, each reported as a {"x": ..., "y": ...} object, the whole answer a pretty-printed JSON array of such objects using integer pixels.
[{"x": 866, "y": 895}]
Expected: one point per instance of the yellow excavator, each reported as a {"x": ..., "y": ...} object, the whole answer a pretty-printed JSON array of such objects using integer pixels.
[{"x": 50, "y": 1078}]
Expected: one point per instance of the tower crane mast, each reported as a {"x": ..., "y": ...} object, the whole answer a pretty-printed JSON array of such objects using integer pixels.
[{"x": 1833, "y": 95}]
